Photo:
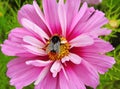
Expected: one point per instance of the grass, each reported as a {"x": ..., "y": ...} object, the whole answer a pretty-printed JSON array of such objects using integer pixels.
[{"x": 8, "y": 21}]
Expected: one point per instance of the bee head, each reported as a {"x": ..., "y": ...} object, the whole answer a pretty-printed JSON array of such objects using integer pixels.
[{"x": 55, "y": 39}]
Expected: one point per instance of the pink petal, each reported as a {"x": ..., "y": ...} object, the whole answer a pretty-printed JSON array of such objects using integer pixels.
[
  {"x": 89, "y": 22},
  {"x": 28, "y": 11},
  {"x": 74, "y": 58},
  {"x": 72, "y": 83},
  {"x": 87, "y": 74},
  {"x": 63, "y": 82},
  {"x": 81, "y": 41},
  {"x": 40, "y": 13},
  {"x": 50, "y": 13},
  {"x": 48, "y": 82},
  {"x": 56, "y": 67},
  {"x": 26, "y": 54},
  {"x": 94, "y": 22},
  {"x": 62, "y": 16},
  {"x": 92, "y": 1},
  {"x": 42, "y": 75},
  {"x": 72, "y": 7},
  {"x": 19, "y": 33},
  {"x": 100, "y": 32},
  {"x": 21, "y": 75},
  {"x": 77, "y": 30},
  {"x": 64, "y": 71},
  {"x": 11, "y": 48},
  {"x": 79, "y": 15},
  {"x": 100, "y": 62},
  {"x": 35, "y": 28},
  {"x": 64, "y": 59},
  {"x": 33, "y": 41},
  {"x": 38, "y": 63},
  {"x": 99, "y": 44},
  {"x": 35, "y": 50}
]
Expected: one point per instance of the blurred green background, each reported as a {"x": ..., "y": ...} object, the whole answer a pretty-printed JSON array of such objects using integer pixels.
[{"x": 8, "y": 21}]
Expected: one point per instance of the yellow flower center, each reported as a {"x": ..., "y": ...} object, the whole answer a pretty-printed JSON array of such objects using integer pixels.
[{"x": 57, "y": 48}]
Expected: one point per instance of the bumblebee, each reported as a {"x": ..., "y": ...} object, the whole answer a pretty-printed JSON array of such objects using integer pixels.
[{"x": 54, "y": 45}]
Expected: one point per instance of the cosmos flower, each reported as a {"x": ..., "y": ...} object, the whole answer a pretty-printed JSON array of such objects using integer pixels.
[
  {"x": 58, "y": 48},
  {"x": 92, "y": 1}
]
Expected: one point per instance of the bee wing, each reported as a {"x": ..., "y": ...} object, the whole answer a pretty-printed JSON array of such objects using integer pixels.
[
  {"x": 52, "y": 46},
  {"x": 49, "y": 48},
  {"x": 57, "y": 47}
]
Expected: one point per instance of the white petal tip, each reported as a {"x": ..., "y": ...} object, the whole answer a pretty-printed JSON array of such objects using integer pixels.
[
  {"x": 27, "y": 62},
  {"x": 65, "y": 59},
  {"x": 75, "y": 58},
  {"x": 36, "y": 83},
  {"x": 54, "y": 75}
]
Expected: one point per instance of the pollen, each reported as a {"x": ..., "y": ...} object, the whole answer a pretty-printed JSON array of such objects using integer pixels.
[{"x": 58, "y": 50}]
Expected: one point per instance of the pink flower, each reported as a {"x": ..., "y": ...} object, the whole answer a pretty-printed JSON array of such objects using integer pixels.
[
  {"x": 58, "y": 49},
  {"x": 92, "y": 1}
]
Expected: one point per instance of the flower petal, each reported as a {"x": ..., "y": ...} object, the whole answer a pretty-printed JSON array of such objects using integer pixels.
[
  {"x": 35, "y": 28},
  {"x": 79, "y": 15},
  {"x": 92, "y": 77},
  {"x": 21, "y": 74},
  {"x": 99, "y": 44},
  {"x": 93, "y": 22},
  {"x": 89, "y": 22},
  {"x": 100, "y": 62},
  {"x": 11, "y": 48},
  {"x": 35, "y": 50},
  {"x": 74, "y": 58},
  {"x": 19, "y": 33},
  {"x": 77, "y": 30},
  {"x": 56, "y": 67},
  {"x": 72, "y": 7},
  {"x": 100, "y": 32},
  {"x": 81, "y": 41},
  {"x": 64, "y": 59},
  {"x": 49, "y": 82},
  {"x": 42, "y": 75},
  {"x": 28, "y": 11},
  {"x": 64, "y": 71},
  {"x": 50, "y": 9},
  {"x": 33, "y": 41},
  {"x": 62, "y": 81},
  {"x": 72, "y": 83},
  {"x": 92, "y": 1},
  {"x": 40, "y": 13},
  {"x": 38, "y": 63},
  {"x": 75, "y": 82},
  {"x": 62, "y": 16}
]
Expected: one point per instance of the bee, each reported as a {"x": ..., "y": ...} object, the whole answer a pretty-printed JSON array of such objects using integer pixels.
[
  {"x": 54, "y": 45},
  {"x": 57, "y": 47}
]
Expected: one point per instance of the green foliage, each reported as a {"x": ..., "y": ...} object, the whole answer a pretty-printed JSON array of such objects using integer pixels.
[
  {"x": 111, "y": 79},
  {"x": 8, "y": 21}
]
